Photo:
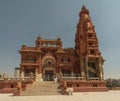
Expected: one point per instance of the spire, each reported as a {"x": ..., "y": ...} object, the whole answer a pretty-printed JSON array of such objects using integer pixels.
[
  {"x": 86, "y": 40},
  {"x": 85, "y": 20},
  {"x": 84, "y": 10},
  {"x": 58, "y": 37},
  {"x": 83, "y": 7}
]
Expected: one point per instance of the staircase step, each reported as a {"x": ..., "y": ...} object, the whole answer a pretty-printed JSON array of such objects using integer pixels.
[{"x": 41, "y": 88}]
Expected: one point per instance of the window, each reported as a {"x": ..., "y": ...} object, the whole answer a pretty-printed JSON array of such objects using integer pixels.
[
  {"x": 92, "y": 52},
  {"x": 34, "y": 60},
  {"x": 91, "y": 64},
  {"x": 68, "y": 59},
  {"x": 49, "y": 61},
  {"x": 31, "y": 58},
  {"x": 91, "y": 74},
  {"x": 90, "y": 35},
  {"x": 78, "y": 85},
  {"x": 61, "y": 59},
  {"x": 91, "y": 43},
  {"x": 66, "y": 72},
  {"x": 12, "y": 86},
  {"x": 38, "y": 43},
  {"x": 95, "y": 85},
  {"x": 65, "y": 59}
]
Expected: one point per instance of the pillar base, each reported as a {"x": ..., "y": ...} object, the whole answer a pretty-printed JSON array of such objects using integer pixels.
[{"x": 39, "y": 77}]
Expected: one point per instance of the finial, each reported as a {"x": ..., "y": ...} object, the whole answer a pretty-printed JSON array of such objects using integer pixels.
[
  {"x": 83, "y": 7},
  {"x": 58, "y": 37},
  {"x": 39, "y": 36},
  {"x": 84, "y": 10}
]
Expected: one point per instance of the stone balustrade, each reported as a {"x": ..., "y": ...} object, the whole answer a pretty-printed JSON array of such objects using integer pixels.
[{"x": 73, "y": 78}]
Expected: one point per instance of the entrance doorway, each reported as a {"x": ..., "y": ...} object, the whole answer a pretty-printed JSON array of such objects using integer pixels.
[
  {"x": 49, "y": 68},
  {"x": 49, "y": 75}
]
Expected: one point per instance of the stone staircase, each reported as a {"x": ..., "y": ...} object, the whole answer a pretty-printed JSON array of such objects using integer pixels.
[{"x": 41, "y": 88}]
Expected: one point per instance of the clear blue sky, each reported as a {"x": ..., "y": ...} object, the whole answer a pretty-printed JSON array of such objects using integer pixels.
[{"x": 22, "y": 20}]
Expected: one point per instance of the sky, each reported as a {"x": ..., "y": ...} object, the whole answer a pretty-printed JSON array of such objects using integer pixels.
[{"x": 21, "y": 21}]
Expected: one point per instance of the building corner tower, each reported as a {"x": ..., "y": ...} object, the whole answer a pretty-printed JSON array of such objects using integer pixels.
[{"x": 86, "y": 47}]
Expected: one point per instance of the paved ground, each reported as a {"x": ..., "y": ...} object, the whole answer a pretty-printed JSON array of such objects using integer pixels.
[{"x": 84, "y": 96}]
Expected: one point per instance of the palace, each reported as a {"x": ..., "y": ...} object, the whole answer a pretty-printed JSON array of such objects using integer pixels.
[
  {"x": 48, "y": 59},
  {"x": 77, "y": 69}
]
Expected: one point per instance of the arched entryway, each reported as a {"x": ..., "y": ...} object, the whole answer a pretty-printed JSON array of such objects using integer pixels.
[{"x": 48, "y": 68}]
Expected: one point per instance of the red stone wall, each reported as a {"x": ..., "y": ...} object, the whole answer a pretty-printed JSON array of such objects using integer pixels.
[
  {"x": 11, "y": 86},
  {"x": 83, "y": 86}
]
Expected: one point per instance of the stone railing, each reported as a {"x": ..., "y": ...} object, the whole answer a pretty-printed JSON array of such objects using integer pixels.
[
  {"x": 24, "y": 47},
  {"x": 30, "y": 48},
  {"x": 29, "y": 61},
  {"x": 72, "y": 78},
  {"x": 15, "y": 79}
]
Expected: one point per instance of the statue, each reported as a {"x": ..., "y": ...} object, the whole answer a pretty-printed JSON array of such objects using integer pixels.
[{"x": 19, "y": 87}]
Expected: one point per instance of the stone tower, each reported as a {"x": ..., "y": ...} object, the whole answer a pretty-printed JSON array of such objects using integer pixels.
[{"x": 90, "y": 60}]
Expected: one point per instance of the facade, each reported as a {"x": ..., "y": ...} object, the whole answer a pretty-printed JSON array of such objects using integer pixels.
[{"x": 48, "y": 59}]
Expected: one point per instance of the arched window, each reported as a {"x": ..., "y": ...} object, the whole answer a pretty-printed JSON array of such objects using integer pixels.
[{"x": 49, "y": 61}]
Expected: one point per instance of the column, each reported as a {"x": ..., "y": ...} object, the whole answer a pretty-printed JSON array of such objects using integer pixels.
[
  {"x": 86, "y": 67},
  {"x": 39, "y": 77},
  {"x": 82, "y": 66},
  {"x": 56, "y": 71},
  {"x": 36, "y": 74},
  {"x": 40, "y": 69},
  {"x": 60, "y": 71},
  {"x": 100, "y": 69}
]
